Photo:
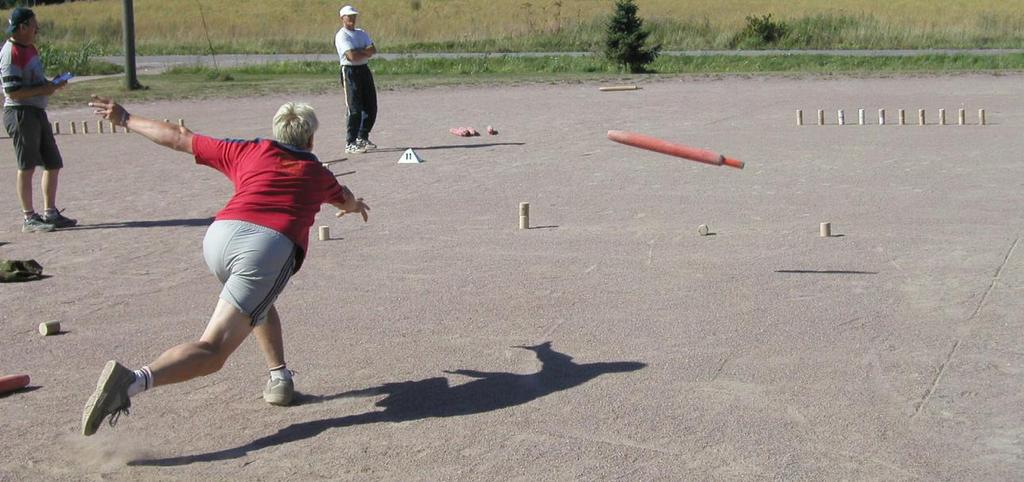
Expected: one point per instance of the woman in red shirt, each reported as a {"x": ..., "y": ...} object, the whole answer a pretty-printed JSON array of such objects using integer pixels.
[{"x": 256, "y": 242}]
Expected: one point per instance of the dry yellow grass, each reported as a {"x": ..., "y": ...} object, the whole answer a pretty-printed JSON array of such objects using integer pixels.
[{"x": 298, "y": 25}]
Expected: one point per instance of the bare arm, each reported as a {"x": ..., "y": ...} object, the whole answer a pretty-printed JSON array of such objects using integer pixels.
[
  {"x": 46, "y": 89},
  {"x": 163, "y": 133},
  {"x": 356, "y": 55},
  {"x": 352, "y": 204}
]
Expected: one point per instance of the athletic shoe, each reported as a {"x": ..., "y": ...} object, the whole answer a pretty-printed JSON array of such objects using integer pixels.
[
  {"x": 58, "y": 220},
  {"x": 279, "y": 392},
  {"x": 355, "y": 149},
  {"x": 110, "y": 397},
  {"x": 365, "y": 144},
  {"x": 35, "y": 224}
]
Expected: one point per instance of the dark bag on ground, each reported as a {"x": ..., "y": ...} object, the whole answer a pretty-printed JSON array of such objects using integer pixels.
[{"x": 12, "y": 271}]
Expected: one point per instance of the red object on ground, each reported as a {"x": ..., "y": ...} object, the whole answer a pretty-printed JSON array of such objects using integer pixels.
[
  {"x": 11, "y": 383},
  {"x": 463, "y": 131},
  {"x": 678, "y": 150}
]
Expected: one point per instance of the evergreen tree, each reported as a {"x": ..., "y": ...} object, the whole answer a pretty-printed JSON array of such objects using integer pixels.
[{"x": 626, "y": 40}]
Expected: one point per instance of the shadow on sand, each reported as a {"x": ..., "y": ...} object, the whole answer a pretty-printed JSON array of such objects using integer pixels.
[
  {"x": 30, "y": 388},
  {"x": 431, "y": 397},
  {"x": 823, "y": 271},
  {"x": 163, "y": 223},
  {"x": 446, "y": 146}
]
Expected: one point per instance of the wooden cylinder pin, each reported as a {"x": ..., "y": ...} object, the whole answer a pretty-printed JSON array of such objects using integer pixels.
[
  {"x": 49, "y": 328},
  {"x": 56, "y": 128},
  {"x": 860, "y": 116},
  {"x": 74, "y": 130},
  {"x": 821, "y": 117},
  {"x": 181, "y": 122},
  {"x": 113, "y": 128},
  {"x": 903, "y": 117},
  {"x": 981, "y": 116},
  {"x": 99, "y": 126},
  {"x": 942, "y": 117},
  {"x": 961, "y": 116},
  {"x": 703, "y": 230},
  {"x": 799, "y": 117},
  {"x": 85, "y": 127},
  {"x": 920, "y": 117},
  {"x": 881, "y": 117},
  {"x": 324, "y": 233},
  {"x": 524, "y": 215},
  {"x": 826, "y": 230},
  {"x": 842, "y": 117}
]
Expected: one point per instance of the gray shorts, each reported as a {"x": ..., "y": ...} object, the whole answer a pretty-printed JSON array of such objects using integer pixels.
[
  {"x": 253, "y": 263},
  {"x": 32, "y": 133}
]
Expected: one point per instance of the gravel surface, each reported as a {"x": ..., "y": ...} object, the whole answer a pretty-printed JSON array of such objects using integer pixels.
[{"x": 611, "y": 341}]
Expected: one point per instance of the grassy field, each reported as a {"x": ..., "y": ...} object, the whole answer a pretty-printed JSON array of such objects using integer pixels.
[
  {"x": 191, "y": 26},
  {"x": 319, "y": 77}
]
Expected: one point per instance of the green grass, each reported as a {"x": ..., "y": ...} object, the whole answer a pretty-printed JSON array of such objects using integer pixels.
[
  {"x": 78, "y": 61},
  {"x": 665, "y": 65},
  {"x": 301, "y": 78}
]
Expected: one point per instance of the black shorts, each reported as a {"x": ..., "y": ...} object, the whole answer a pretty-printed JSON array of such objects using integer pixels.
[{"x": 34, "y": 144}]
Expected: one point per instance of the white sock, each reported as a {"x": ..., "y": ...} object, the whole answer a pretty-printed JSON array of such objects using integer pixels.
[
  {"x": 143, "y": 381},
  {"x": 280, "y": 373}
]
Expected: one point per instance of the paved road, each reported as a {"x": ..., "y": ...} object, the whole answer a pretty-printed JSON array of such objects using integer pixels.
[{"x": 156, "y": 63}]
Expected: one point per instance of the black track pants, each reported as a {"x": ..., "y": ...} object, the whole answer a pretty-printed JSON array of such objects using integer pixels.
[{"x": 361, "y": 99}]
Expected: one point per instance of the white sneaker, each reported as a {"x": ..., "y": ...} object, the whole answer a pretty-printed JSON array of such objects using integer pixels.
[
  {"x": 110, "y": 398},
  {"x": 365, "y": 144},
  {"x": 354, "y": 149},
  {"x": 279, "y": 392}
]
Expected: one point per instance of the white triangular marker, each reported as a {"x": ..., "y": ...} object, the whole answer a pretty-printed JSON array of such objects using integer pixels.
[{"x": 409, "y": 157}]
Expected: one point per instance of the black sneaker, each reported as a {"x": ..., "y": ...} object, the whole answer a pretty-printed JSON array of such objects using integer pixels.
[
  {"x": 58, "y": 220},
  {"x": 35, "y": 224}
]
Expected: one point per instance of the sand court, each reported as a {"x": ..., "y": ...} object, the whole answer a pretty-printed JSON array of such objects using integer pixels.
[{"x": 610, "y": 340}]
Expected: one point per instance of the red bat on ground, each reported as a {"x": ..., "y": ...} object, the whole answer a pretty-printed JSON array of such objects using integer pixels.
[
  {"x": 11, "y": 383},
  {"x": 678, "y": 150}
]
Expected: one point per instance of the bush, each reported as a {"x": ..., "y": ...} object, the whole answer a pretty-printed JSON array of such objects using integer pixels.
[
  {"x": 219, "y": 76},
  {"x": 627, "y": 37},
  {"x": 760, "y": 32}
]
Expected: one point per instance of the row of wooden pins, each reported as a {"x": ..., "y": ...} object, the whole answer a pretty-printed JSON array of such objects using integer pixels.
[
  {"x": 101, "y": 127},
  {"x": 902, "y": 119}
]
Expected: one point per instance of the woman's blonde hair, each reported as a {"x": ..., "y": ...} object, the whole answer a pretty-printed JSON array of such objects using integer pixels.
[{"x": 295, "y": 123}]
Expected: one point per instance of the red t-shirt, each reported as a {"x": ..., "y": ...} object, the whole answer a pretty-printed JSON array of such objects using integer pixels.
[{"x": 276, "y": 186}]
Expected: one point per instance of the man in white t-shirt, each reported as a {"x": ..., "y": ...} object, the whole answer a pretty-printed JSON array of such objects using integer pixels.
[{"x": 354, "y": 51}]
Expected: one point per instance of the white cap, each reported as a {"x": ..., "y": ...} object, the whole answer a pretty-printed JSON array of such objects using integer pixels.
[{"x": 348, "y": 10}]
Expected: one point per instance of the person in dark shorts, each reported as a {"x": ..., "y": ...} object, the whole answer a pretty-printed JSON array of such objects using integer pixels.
[
  {"x": 254, "y": 246},
  {"x": 354, "y": 51},
  {"x": 26, "y": 94}
]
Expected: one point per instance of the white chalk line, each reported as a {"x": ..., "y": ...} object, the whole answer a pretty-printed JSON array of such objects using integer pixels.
[{"x": 956, "y": 345}]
